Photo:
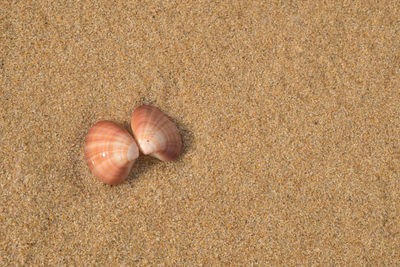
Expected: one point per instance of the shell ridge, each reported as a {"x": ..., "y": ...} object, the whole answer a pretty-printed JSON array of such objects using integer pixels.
[{"x": 100, "y": 136}]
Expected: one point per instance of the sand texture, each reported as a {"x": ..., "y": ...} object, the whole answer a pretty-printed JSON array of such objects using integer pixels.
[{"x": 289, "y": 113}]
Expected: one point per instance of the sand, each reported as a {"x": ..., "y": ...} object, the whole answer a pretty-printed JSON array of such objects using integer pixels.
[{"x": 289, "y": 113}]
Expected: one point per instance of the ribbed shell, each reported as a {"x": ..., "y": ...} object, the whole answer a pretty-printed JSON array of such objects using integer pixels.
[
  {"x": 110, "y": 152},
  {"x": 155, "y": 133}
]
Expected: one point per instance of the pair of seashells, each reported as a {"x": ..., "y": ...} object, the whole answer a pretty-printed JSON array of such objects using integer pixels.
[{"x": 110, "y": 150}]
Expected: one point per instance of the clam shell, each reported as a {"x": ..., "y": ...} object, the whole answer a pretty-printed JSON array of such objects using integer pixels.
[
  {"x": 110, "y": 152},
  {"x": 155, "y": 133}
]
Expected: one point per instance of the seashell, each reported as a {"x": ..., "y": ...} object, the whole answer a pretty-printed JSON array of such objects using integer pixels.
[
  {"x": 155, "y": 133},
  {"x": 110, "y": 152}
]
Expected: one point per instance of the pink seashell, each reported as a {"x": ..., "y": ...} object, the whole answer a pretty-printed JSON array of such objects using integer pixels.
[
  {"x": 110, "y": 152},
  {"x": 156, "y": 134}
]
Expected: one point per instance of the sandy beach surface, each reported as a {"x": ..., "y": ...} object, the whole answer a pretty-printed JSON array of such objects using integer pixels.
[{"x": 289, "y": 113}]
